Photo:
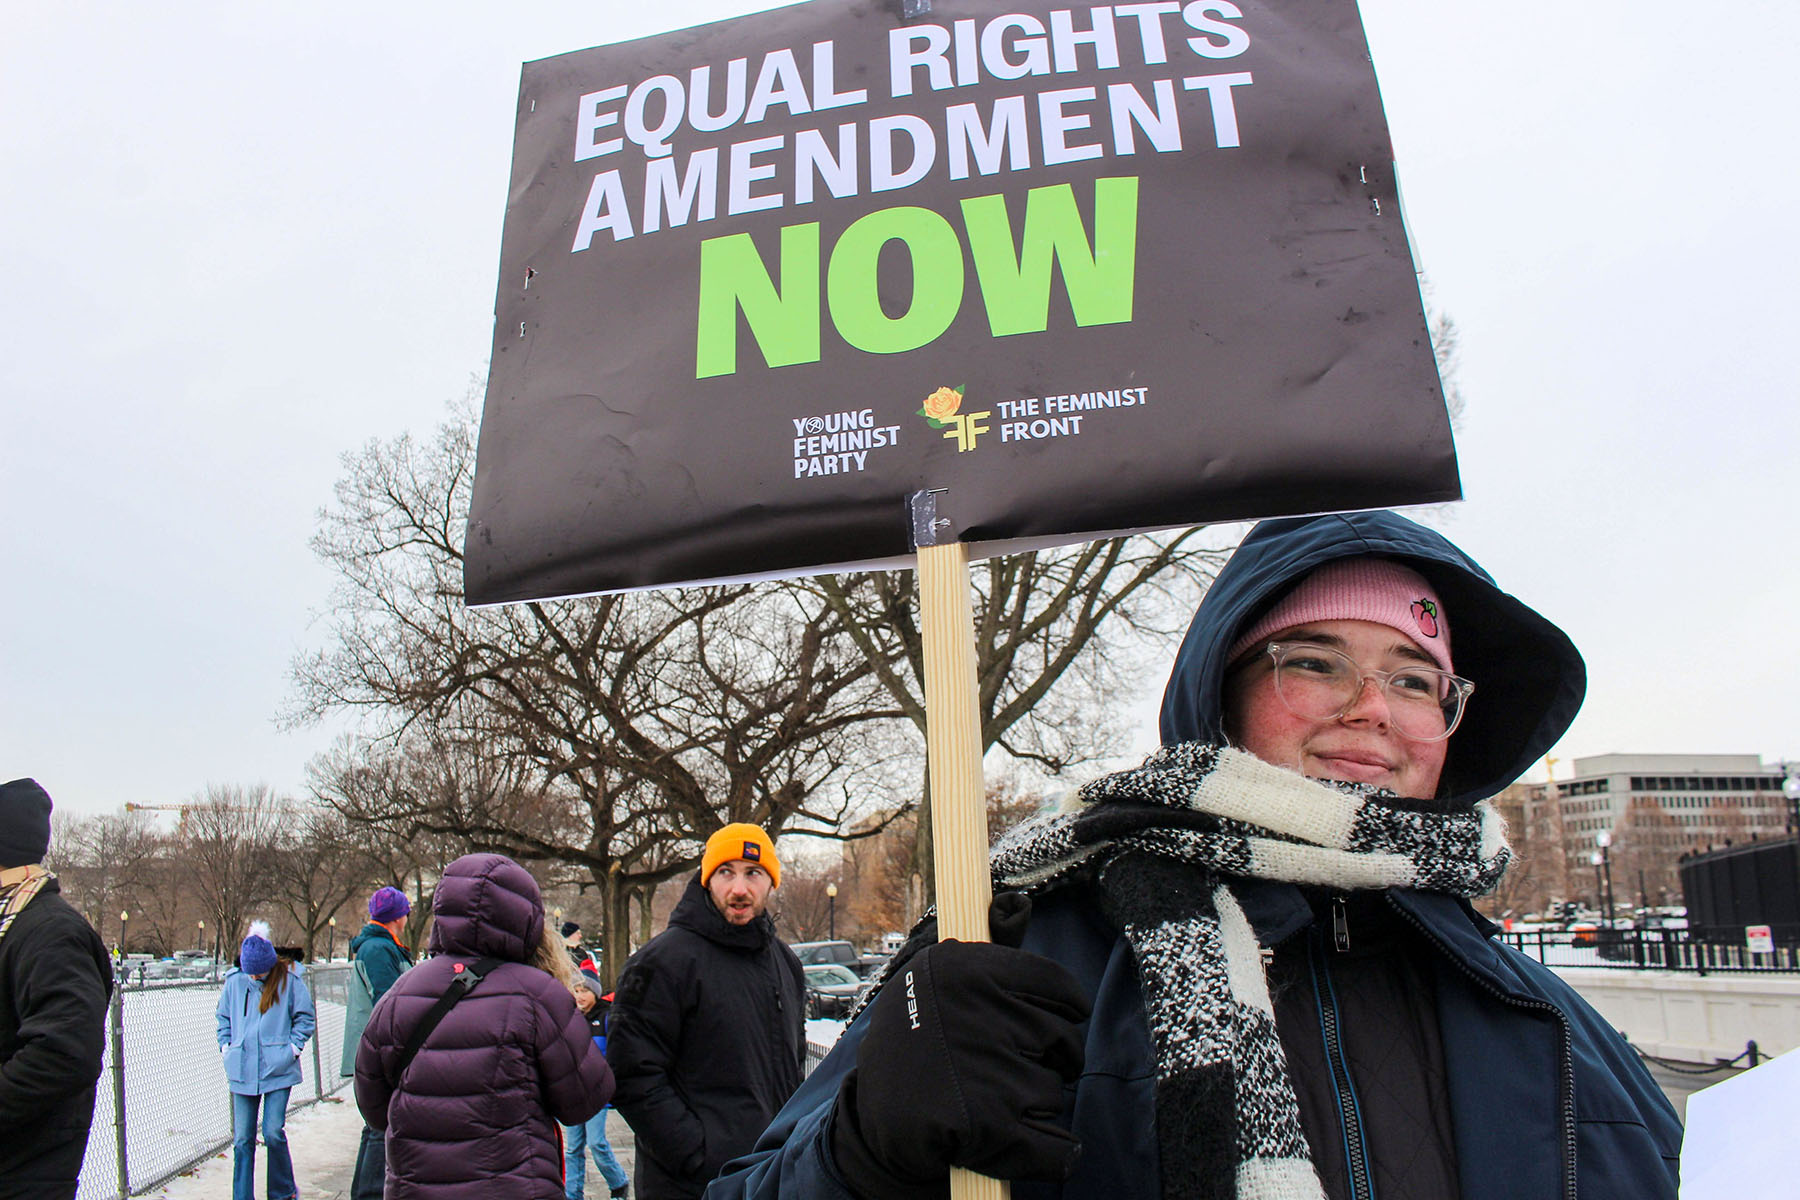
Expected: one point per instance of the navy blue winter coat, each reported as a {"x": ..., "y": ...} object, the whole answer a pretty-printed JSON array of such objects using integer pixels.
[{"x": 1546, "y": 1099}]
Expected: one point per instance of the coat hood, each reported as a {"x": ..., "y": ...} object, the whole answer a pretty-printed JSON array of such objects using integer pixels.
[
  {"x": 697, "y": 912},
  {"x": 369, "y": 933},
  {"x": 1529, "y": 678},
  {"x": 487, "y": 906}
]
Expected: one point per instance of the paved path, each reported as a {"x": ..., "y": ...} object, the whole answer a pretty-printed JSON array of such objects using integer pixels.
[
  {"x": 323, "y": 1138},
  {"x": 1679, "y": 1085}
]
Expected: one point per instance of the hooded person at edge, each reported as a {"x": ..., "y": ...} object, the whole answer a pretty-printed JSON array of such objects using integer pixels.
[{"x": 1250, "y": 966}]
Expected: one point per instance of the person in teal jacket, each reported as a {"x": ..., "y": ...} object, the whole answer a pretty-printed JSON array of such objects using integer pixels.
[
  {"x": 265, "y": 1018},
  {"x": 1249, "y": 966},
  {"x": 380, "y": 960}
]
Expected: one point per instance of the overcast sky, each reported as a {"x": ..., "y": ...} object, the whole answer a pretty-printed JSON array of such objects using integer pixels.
[{"x": 238, "y": 240}]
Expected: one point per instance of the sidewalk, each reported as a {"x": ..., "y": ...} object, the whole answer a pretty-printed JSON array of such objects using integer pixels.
[{"x": 323, "y": 1138}]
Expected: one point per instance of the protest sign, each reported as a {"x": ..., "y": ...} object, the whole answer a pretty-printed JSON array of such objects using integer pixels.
[
  {"x": 1073, "y": 270},
  {"x": 812, "y": 289}
]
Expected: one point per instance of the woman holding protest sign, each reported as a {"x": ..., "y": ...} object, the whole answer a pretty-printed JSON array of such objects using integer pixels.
[{"x": 1249, "y": 966}]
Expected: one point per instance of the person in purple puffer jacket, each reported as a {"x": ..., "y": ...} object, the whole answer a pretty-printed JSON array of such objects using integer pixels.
[{"x": 474, "y": 1116}]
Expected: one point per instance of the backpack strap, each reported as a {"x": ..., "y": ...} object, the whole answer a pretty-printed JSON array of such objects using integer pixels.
[{"x": 466, "y": 977}]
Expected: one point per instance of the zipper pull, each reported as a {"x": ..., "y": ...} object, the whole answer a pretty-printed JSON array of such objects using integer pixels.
[{"x": 1340, "y": 925}]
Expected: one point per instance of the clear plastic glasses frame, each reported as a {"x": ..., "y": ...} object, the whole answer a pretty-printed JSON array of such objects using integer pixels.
[{"x": 1319, "y": 683}]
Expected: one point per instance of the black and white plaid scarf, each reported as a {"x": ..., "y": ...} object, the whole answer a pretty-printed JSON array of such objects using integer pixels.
[{"x": 1161, "y": 843}]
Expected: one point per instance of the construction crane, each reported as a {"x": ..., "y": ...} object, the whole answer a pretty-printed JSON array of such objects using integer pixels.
[{"x": 181, "y": 822}]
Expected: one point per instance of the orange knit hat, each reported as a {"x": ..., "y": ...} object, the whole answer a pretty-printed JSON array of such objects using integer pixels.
[{"x": 740, "y": 841}]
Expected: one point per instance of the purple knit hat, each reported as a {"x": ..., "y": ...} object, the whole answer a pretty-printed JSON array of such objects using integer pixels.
[
  {"x": 1360, "y": 589},
  {"x": 256, "y": 956},
  {"x": 388, "y": 904}
]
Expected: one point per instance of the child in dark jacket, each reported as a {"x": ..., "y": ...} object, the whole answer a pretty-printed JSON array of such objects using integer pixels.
[{"x": 591, "y": 1134}]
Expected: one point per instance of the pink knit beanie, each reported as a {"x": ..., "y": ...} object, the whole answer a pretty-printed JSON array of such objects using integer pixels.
[{"x": 1360, "y": 589}]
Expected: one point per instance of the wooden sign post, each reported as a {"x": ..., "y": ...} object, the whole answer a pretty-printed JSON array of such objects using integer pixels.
[
  {"x": 953, "y": 756},
  {"x": 953, "y": 762}
]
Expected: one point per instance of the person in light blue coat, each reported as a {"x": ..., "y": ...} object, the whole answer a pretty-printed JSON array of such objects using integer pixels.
[{"x": 265, "y": 1019}]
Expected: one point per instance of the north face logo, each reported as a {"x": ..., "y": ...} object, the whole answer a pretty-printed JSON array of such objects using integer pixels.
[{"x": 752, "y": 852}]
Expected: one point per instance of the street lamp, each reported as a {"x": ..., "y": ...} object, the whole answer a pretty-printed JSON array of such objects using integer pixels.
[
  {"x": 1603, "y": 839},
  {"x": 1599, "y": 895},
  {"x": 1790, "y": 787},
  {"x": 124, "y": 918},
  {"x": 331, "y": 942},
  {"x": 199, "y": 936},
  {"x": 831, "y": 908}
]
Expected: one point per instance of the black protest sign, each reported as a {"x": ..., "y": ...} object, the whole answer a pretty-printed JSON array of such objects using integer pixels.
[{"x": 1076, "y": 269}]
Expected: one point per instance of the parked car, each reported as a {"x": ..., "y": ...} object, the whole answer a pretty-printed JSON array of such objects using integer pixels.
[
  {"x": 841, "y": 953},
  {"x": 832, "y": 990}
]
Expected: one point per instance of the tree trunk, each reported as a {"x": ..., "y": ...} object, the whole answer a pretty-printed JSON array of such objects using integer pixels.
[
  {"x": 646, "y": 896},
  {"x": 615, "y": 930}
]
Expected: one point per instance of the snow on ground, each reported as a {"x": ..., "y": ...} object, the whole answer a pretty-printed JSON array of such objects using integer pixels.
[
  {"x": 178, "y": 1109},
  {"x": 177, "y": 1104},
  {"x": 322, "y": 1139}
]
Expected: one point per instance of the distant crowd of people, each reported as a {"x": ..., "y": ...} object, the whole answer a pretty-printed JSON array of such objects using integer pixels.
[{"x": 1248, "y": 967}]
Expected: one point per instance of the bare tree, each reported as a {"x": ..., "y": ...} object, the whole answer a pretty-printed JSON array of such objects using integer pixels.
[
  {"x": 319, "y": 865},
  {"x": 651, "y": 719},
  {"x": 647, "y": 721},
  {"x": 1061, "y": 639},
  {"x": 106, "y": 864},
  {"x": 229, "y": 846},
  {"x": 163, "y": 904},
  {"x": 804, "y": 906}
]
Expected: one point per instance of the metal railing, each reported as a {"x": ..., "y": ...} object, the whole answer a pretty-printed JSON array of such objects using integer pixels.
[
  {"x": 1650, "y": 949},
  {"x": 163, "y": 1105}
]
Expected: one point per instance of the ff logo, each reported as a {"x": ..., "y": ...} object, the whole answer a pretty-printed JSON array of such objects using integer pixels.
[{"x": 941, "y": 411}]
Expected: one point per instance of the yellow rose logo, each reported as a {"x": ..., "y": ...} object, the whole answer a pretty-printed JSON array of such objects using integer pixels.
[{"x": 941, "y": 405}]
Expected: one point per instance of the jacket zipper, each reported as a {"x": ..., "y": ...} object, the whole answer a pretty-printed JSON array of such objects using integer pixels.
[
  {"x": 1356, "y": 1156},
  {"x": 1563, "y": 1042}
]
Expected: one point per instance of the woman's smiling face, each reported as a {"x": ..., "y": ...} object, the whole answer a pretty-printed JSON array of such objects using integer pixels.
[{"x": 1360, "y": 745}]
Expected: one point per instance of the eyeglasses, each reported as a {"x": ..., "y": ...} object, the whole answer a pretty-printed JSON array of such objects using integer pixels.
[{"x": 1318, "y": 683}]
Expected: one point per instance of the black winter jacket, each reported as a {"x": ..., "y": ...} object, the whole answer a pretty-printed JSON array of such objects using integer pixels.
[
  {"x": 707, "y": 1042},
  {"x": 55, "y": 980}
]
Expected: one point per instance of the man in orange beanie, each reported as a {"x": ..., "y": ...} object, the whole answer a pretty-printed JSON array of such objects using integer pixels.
[{"x": 708, "y": 1022}]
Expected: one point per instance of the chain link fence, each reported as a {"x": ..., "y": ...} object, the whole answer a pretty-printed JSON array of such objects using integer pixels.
[{"x": 163, "y": 1105}]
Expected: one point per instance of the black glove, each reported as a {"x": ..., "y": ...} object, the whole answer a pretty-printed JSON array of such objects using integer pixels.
[{"x": 963, "y": 1064}]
